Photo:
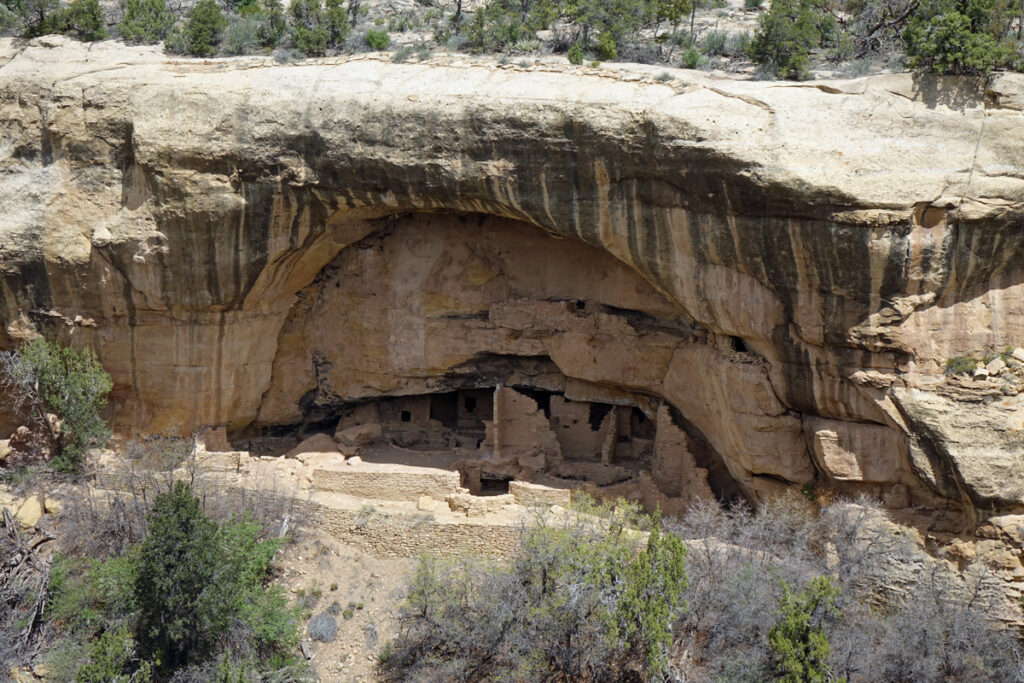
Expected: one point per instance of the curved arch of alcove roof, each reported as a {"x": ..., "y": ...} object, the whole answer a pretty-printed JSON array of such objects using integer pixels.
[{"x": 367, "y": 229}]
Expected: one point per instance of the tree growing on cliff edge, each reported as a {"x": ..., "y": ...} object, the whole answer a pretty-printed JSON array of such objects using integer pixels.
[
  {"x": 203, "y": 28},
  {"x": 958, "y": 36},
  {"x": 787, "y": 34},
  {"x": 145, "y": 21},
  {"x": 43, "y": 379}
]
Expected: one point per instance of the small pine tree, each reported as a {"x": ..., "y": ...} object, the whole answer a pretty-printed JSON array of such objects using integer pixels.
[
  {"x": 575, "y": 54},
  {"x": 957, "y": 37},
  {"x": 145, "y": 21},
  {"x": 800, "y": 644},
  {"x": 195, "y": 583},
  {"x": 176, "y": 567},
  {"x": 273, "y": 27},
  {"x": 204, "y": 27},
  {"x": 84, "y": 20},
  {"x": 786, "y": 35},
  {"x": 311, "y": 32},
  {"x": 654, "y": 585},
  {"x": 33, "y": 17},
  {"x": 337, "y": 21}
]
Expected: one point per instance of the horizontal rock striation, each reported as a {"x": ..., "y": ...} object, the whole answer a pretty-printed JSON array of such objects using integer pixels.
[{"x": 788, "y": 266}]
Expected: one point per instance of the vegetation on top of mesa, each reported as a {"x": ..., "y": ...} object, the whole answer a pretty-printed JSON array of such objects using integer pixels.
[{"x": 783, "y": 38}]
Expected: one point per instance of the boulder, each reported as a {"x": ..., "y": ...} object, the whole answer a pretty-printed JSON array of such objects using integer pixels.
[
  {"x": 318, "y": 443},
  {"x": 981, "y": 446},
  {"x": 29, "y": 512},
  {"x": 358, "y": 435},
  {"x": 995, "y": 366},
  {"x": 856, "y": 451}
]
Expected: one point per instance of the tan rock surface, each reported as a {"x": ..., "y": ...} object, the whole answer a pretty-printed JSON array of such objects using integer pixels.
[
  {"x": 739, "y": 249},
  {"x": 978, "y": 449},
  {"x": 318, "y": 443},
  {"x": 29, "y": 512}
]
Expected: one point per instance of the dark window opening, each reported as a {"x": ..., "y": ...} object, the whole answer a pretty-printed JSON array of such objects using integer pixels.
[
  {"x": 738, "y": 344},
  {"x": 598, "y": 411},
  {"x": 493, "y": 487},
  {"x": 580, "y": 304},
  {"x": 542, "y": 398},
  {"x": 406, "y": 416},
  {"x": 444, "y": 408},
  {"x": 470, "y": 403}
]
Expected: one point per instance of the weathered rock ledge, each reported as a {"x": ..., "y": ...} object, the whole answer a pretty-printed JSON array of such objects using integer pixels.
[{"x": 787, "y": 266}]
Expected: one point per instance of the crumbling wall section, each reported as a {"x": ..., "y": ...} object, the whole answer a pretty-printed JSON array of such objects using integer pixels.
[{"x": 522, "y": 433}]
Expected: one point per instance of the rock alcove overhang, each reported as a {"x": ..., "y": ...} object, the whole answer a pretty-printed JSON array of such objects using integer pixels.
[{"x": 182, "y": 205}]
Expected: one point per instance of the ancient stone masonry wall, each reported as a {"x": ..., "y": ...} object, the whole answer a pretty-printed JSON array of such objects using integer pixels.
[{"x": 261, "y": 247}]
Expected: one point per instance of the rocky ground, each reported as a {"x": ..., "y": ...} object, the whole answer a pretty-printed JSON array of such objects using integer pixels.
[{"x": 325, "y": 574}]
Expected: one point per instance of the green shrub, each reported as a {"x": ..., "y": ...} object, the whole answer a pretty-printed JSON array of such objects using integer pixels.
[
  {"x": 41, "y": 378},
  {"x": 403, "y": 54},
  {"x": 88, "y": 595},
  {"x": 961, "y": 365},
  {"x": 714, "y": 42},
  {"x": 82, "y": 19},
  {"x": 242, "y": 36},
  {"x": 787, "y": 34},
  {"x": 738, "y": 43},
  {"x": 176, "y": 42},
  {"x": 691, "y": 58},
  {"x": 337, "y": 21},
  {"x": 606, "y": 46},
  {"x": 8, "y": 17},
  {"x": 680, "y": 39},
  {"x": 318, "y": 27},
  {"x": 196, "y": 582},
  {"x": 90, "y": 604},
  {"x": 145, "y": 21},
  {"x": 377, "y": 40},
  {"x": 31, "y": 17},
  {"x": 273, "y": 27},
  {"x": 957, "y": 37},
  {"x": 501, "y": 24},
  {"x": 111, "y": 659},
  {"x": 575, "y": 54},
  {"x": 203, "y": 28},
  {"x": 583, "y": 599},
  {"x": 800, "y": 644}
]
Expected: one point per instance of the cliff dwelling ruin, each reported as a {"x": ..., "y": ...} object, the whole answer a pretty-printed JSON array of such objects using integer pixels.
[
  {"x": 445, "y": 341},
  {"x": 619, "y": 267}
]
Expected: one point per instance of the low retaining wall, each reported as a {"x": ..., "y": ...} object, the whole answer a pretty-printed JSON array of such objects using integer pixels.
[
  {"x": 387, "y": 484},
  {"x": 403, "y": 535}
]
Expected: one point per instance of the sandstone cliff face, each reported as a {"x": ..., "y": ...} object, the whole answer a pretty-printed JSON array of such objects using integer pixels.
[{"x": 787, "y": 265}]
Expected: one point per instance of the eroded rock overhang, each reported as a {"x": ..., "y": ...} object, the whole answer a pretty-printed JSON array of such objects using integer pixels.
[{"x": 828, "y": 244}]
